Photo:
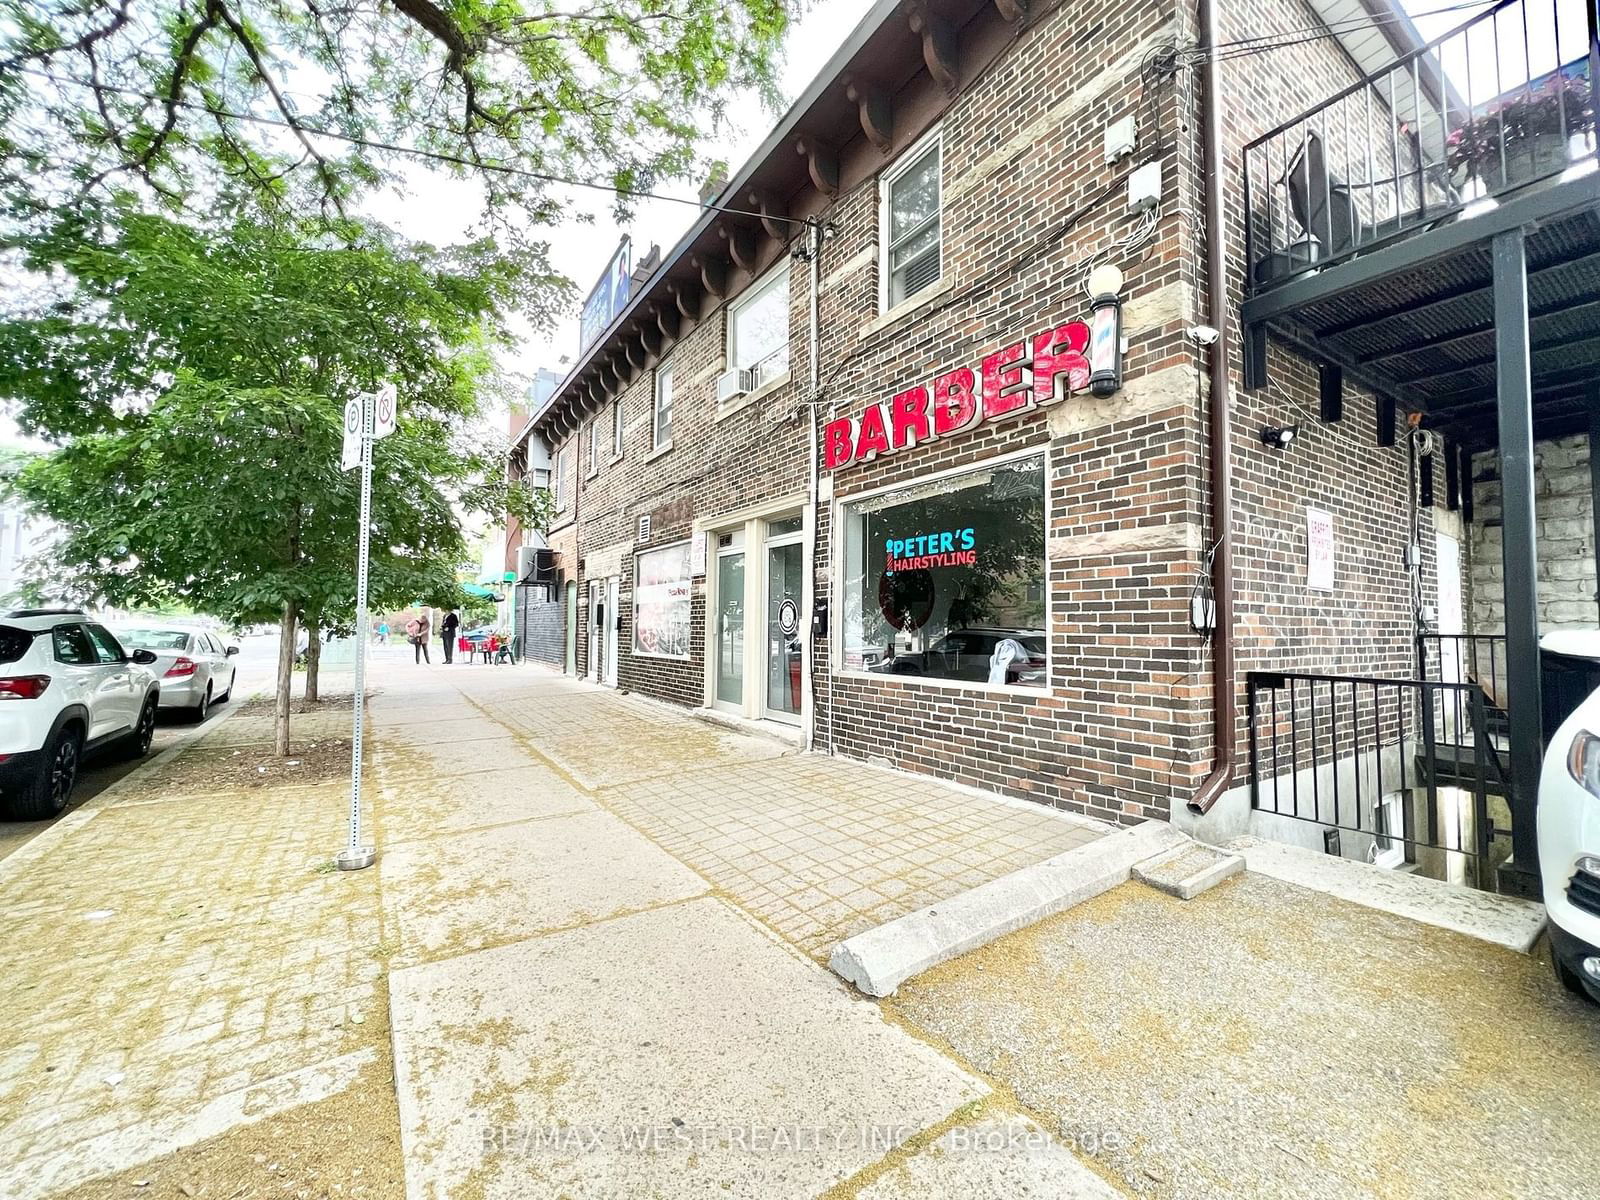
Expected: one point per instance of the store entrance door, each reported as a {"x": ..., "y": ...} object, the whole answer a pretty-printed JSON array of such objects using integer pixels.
[
  {"x": 613, "y": 589},
  {"x": 728, "y": 690},
  {"x": 785, "y": 600}
]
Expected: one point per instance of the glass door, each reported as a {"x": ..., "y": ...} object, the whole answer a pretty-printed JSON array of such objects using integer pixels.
[
  {"x": 785, "y": 602},
  {"x": 730, "y": 621}
]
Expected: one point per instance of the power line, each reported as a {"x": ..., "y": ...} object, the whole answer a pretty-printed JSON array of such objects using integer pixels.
[{"x": 391, "y": 148}]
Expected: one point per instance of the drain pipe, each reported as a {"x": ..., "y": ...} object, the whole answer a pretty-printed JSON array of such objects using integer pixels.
[
  {"x": 1224, "y": 705},
  {"x": 808, "y": 692}
]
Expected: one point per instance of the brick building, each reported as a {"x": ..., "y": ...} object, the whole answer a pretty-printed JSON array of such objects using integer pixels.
[{"x": 973, "y": 529}]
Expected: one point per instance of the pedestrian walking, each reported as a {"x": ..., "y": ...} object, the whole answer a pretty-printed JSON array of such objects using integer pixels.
[
  {"x": 383, "y": 633},
  {"x": 447, "y": 632},
  {"x": 419, "y": 629}
]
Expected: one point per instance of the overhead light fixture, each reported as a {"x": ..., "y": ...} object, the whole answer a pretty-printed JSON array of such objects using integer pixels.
[{"x": 1279, "y": 436}]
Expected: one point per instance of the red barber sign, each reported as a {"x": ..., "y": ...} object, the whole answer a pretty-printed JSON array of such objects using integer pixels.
[{"x": 1007, "y": 382}]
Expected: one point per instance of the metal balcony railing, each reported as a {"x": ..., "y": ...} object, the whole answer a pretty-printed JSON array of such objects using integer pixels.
[{"x": 1505, "y": 101}]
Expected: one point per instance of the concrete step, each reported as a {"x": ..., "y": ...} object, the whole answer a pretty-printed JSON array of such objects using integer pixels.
[{"x": 1188, "y": 870}]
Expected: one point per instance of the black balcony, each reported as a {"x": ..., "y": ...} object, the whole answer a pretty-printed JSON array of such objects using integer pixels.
[{"x": 1504, "y": 103}]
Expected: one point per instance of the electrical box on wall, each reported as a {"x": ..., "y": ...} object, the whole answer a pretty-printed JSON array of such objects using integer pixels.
[
  {"x": 1144, "y": 187},
  {"x": 1121, "y": 138}
]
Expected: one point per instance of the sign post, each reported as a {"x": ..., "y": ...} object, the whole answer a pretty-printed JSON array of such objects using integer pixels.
[{"x": 374, "y": 419}]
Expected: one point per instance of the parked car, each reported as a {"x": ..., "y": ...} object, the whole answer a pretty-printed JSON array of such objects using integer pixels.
[
  {"x": 966, "y": 654},
  {"x": 68, "y": 688},
  {"x": 1569, "y": 831},
  {"x": 195, "y": 667}
]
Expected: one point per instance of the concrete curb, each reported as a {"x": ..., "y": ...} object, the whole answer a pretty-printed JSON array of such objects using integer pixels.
[
  {"x": 881, "y": 959},
  {"x": 1501, "y": 920},
  {"x": 205, "y": 729}
]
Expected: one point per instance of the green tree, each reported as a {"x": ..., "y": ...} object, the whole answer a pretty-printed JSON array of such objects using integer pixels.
[
  {"x": 300, "y": 102},
  {"x": 195, "y": 383}
]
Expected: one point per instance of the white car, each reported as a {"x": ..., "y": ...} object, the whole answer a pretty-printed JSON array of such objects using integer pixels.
[
  {"x": 195, "y": 668},
  {"x": 67, "y": 687},
  {"x": 1569, "y": 831}
]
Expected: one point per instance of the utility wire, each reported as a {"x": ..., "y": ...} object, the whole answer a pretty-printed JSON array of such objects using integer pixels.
[{"x": 391, "y": 148}]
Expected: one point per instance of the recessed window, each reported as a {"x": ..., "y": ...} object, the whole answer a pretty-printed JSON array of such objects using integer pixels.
[
  {"x": 911, "y": 223},
  {"x": 758, "y": 327},
  {"x": 561, "y": 480},
  {"x": 616, "y": 430},
  {"x": 594, "y": 447},
  {"x": 661, "y": 592},
  {"x": 661, "y": 421},
  {"x": 944, "y": 579}
]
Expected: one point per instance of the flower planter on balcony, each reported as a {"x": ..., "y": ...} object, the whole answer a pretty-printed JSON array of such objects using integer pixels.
[{"x": 1526, "y": 159}]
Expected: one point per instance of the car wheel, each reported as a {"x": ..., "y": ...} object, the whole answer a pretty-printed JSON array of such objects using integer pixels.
[
  {"x": 228, "y": 695},
  {"x": 1568, "y": 977},
  {"x": 204, "y": 705},
  {"x": 138, "y": 742},
  {"x": 50, "y": 791}
]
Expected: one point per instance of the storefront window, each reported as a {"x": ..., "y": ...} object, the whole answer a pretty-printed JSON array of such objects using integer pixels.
[
  {"x": 661, "y": 602},
  {"x": 946, "y": 580}
]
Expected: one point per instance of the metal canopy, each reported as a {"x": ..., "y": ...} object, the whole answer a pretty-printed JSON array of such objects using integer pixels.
[{"x": 1419, "y": 327}]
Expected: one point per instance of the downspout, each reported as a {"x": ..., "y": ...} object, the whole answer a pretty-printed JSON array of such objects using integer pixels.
[
  {"x": 1224, "y": 706},
  {"x": 808, "y": 693}
]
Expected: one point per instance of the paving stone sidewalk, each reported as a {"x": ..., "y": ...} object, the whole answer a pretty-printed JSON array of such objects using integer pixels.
[
  {"x": 607, "y": 917},
  {"x": 175, "y": 964}
]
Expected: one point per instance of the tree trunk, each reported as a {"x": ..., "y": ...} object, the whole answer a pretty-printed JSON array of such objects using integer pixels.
[
  {"x": 313, "y": 658},
  {"x": 280, "y": 724}
]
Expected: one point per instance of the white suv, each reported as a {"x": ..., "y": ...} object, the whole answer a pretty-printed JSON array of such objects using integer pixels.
[{"x": 67, "y": 687}]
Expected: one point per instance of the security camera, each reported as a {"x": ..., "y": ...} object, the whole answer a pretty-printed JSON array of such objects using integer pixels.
[{"x": 1203, "y": 335}]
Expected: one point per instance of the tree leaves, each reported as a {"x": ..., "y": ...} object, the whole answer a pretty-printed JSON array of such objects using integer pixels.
[{"x": 197, "y": 382}]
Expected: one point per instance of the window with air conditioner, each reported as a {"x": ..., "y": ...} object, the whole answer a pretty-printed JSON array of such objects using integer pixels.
[
  {"x": 661, "y": 417},
  {"x": 910, "y": 200},
  {"x": 758, "y": 331}
]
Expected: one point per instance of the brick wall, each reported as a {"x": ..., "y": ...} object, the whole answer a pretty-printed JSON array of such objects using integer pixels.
[
  {"x": 1029, "y": 204},
  {"x": 540, "y": 625}
]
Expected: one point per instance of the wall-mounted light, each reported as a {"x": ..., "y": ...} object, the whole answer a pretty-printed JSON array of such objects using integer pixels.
[
  {"x": 1279, "y": 437},
  {"x": 1105, "y": 340}
]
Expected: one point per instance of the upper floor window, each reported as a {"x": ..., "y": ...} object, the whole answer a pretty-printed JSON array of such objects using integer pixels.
[
  {"x": 661, "y": 418},
  {"x": 594, "y": 446},
  {"x": 561, "y": 480},
  {"x": 911, "y": 223},
  {"x": 616, "y": 430},
  {"x": 758, "y": 327}
]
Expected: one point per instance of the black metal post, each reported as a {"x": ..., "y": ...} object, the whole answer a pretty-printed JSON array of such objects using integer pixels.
[
  {"x": 1520, "y": 874},
  {"x": 1593, "y": 396}
]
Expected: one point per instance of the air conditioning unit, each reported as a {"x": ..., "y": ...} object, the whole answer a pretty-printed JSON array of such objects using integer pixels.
[
  {"x": 536, "y": 564},
  {"x": 733, "y": 384}
]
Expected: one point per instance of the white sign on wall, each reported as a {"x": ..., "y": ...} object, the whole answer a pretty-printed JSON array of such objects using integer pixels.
[
  {"x": 697, "y": 552},
  {"x": 1319, "y": 550}
]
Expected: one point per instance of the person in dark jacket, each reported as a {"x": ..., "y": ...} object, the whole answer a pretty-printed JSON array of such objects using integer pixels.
[{"x": 447, "y": 631}]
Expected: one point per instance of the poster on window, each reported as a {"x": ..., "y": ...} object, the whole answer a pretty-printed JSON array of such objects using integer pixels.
[
  {"x": 946, "y": 579},
  {"x": 661, "y": 593},
  {"x": 1319, "y": 550}
]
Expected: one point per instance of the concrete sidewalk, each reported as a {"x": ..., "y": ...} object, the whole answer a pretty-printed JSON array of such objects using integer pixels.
[{"x": 606, "y": 919}]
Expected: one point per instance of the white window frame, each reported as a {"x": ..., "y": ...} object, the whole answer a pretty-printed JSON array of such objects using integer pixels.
[
  {"x": 594, "y": 447},
  {"x": 664, "y": 548},
  {"x": 1389, "y": 825},
  {"x": 932, "y": 140},
  {"x": 616, "y": 428},
  {"x": 656, "y": 440},
  {"x": 837, "y": 555},
  {"x": 559, "y": 488},
  {"x": 756, "y": 291}
]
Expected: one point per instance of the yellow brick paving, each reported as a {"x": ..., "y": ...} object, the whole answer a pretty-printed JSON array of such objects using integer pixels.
[
  {"x": 167, "y": 952},
  {"x": 817, "y": 848}
]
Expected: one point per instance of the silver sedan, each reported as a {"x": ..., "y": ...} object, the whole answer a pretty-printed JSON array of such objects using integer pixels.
[{"x": 195, "y": 668}]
